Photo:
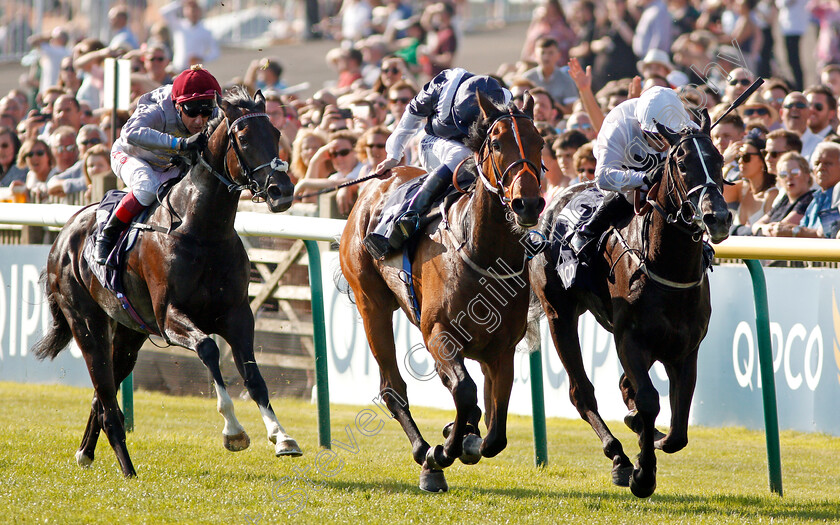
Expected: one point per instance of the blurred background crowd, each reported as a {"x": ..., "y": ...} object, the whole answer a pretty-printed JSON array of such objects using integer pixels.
[{"x": 579, "y": 59}]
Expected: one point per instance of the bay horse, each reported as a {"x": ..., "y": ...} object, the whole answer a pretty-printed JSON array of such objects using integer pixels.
[
  {"x": 475, "y": 246},
  {"x": 184, "y": 284},
  {"x": 650, "y": 289}
]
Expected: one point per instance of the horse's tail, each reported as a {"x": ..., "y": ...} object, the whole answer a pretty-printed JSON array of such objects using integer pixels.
[{"x": 58, "y": 334}]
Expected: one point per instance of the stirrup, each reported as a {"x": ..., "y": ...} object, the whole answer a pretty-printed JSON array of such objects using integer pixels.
[{"x": 408, "y": 223}]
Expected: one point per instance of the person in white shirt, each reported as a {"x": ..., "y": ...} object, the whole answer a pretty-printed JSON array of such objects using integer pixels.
[
  {"x": 52, "y": 48},
  {"x": 823, "y": 107},
  {"x": 192, "y": 43},
  {"x": 627, "y": 150},
  {"x": 793, "y": 22}
]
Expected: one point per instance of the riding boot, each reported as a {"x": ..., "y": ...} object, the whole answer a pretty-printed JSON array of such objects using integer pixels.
[
  {"x": 126, "y": 210},
  {"x": 407, "y": 223},
  {"x": 613, "y": 208}
]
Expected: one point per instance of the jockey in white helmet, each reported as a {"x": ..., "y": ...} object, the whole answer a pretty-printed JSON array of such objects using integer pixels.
[{"x": 628, "y": 149}]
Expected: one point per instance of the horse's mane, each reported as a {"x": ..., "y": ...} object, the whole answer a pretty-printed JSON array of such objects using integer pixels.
[
  {"x": 478, "y": 130},
  {"x": 236, "y": 96}
]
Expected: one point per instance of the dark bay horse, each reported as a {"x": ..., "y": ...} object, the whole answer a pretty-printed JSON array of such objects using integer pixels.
[
  {"x": 652, "y": 293},
  {"x": 185, "y": 284},
  {"x": 457, "y": 261}
]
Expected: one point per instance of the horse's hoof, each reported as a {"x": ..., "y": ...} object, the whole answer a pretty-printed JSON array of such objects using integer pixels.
[
  {"x": 639, "y": 490},
  {"x": 472, "y": 450},
  {"x": 83, "y": 460},
  {"x": 287, "y": 447},
  {"x": 433, "y": 480},
  {"x": 621, "y": 476},
  {"x": 237, "y": 442},
  {"x": 448, "y": 430}
]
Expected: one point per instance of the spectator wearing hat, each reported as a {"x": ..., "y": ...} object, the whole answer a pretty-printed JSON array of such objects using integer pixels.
[
  {"x": 655, "y": 63},
  {"x": 168, "y": 121},
  {"x": 192, "y": 43},
  {"x": 823, "y": 108},
  {"x": 547, "y": 75},
  {"x": 756, "y": 111}
]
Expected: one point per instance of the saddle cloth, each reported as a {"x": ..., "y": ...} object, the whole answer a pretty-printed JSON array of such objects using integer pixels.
[
  {"x": 107, "y": 276},
  {"x": 575, "y": 213}
]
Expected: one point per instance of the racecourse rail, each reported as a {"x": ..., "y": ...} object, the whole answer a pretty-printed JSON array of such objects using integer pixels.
[{"x": 310, "y": 230}]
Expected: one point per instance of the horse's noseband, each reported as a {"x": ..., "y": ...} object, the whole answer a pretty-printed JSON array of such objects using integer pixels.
[
  {"x": 496, "y": 184},
  {"x": 275, "y": 164}
]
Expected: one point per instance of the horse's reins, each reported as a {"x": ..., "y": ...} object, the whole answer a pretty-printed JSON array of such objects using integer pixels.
[
  {"x": 683, "y": 203},
  {"x": 275, "y": 164},
  {"x": 495, "y": 186}
]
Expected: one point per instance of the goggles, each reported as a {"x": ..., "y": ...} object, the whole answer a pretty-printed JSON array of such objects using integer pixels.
[{"x": 194, "y": 108}]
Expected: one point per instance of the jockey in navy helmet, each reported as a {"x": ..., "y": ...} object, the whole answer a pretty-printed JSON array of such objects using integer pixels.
[
  {"x": 445, "y": 109},
  {"x": 167, "y": 122}
]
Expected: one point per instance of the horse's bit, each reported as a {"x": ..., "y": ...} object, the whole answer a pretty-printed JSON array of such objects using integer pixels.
[{"x": 258, "y": 193}]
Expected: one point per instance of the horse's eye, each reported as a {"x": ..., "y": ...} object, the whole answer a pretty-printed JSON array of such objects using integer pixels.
[
  {"x": 681, "y": 166},
  {"x": 496, "y": 146}
]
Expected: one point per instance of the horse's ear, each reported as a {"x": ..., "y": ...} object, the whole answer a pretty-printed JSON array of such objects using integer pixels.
[
  {"x": 670, "y": 136},
  {"x": 484, "y": 104},
  {"x": 222, "y": 103},
  {"x": 528, "y": 108},
  {"x": 259, "y": 98},
  {"x": 705, "y": 121}
]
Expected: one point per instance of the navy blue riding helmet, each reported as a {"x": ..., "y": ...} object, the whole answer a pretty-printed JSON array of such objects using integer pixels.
[{"x": 465, "y": 106}]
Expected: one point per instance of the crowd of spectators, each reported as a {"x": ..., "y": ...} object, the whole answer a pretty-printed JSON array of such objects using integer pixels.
[{"x": 579, "y": 60}]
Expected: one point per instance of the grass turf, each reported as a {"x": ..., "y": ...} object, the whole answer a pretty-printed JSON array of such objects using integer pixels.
[{"x": 186, "y": 476}]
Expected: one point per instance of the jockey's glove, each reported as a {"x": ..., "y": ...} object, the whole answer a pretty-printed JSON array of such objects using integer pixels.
[{"x": 195, "y": 143}]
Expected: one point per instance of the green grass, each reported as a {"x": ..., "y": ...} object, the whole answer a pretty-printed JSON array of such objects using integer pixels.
[{"x": 186, "y": 476}]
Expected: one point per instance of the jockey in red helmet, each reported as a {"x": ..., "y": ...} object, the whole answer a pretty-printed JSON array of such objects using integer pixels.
[{"x": 167, "y": 122}]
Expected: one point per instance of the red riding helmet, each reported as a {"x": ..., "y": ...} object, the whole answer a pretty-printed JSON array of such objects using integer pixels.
[{"x": 195, "y": 83}]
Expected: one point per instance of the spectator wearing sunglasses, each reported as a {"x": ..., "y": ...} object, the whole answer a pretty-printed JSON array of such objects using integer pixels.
[
  {"x": 333, "y": 164},
  {"x": 737, "y": 82},
  {"x": 72, "y": 180},
  {"x": 823, "y": 108},
  {"x": 399, "y": 95},
  {"x": 35, "y": 156},
  {"x": 796, "y": 181},
  {"x": 585, "y": 163},
  {"x": 756, "y": 190},
  {"x": 392, "y": 71},
  {"x": 156, "y": 61},
  {"x": 795, "y": 112},
  {"x": 63, "y": 145},
  {"x": 580, "y": 121},
  {"x": 822, "y": 218},
  {"x": 779, "y": 142},
  {"x": 756, "y": 111},
  {"x": 167, "y": 122},
  {"x": 774, "y": 92}
]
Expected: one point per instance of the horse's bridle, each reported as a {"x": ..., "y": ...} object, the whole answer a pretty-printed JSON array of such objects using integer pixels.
[
  {"x": 495, "y": 184},
  {"x": 687, "y": 215},
  {"x": 276, "y": 165}
]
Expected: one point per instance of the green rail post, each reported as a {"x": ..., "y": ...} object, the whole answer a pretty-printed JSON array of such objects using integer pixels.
[
  {"x": 768, "y": 383},
  {"x": 127, "y": 392},
  {"x": 320, "y": 336},
  {"x": 538, "y": 409}
]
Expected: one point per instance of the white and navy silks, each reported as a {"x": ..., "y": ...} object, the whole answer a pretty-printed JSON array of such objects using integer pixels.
[
  {"x": 436, "y": 109},
  {"x": 142, "y": 156},
  {"x": 622, "y": 153}
]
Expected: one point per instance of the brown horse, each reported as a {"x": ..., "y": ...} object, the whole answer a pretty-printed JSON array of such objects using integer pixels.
[
  {"x": 474, "y": 247},
  {"x": 184, "y": 284},
  {"x": 651, "y": 291}
]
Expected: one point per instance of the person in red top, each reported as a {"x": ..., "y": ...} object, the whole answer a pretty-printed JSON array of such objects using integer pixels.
[{"x": 349, "y": 68}]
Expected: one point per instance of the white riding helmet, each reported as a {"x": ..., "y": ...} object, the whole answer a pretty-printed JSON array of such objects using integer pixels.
[{"x": 662, "y": 105}]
